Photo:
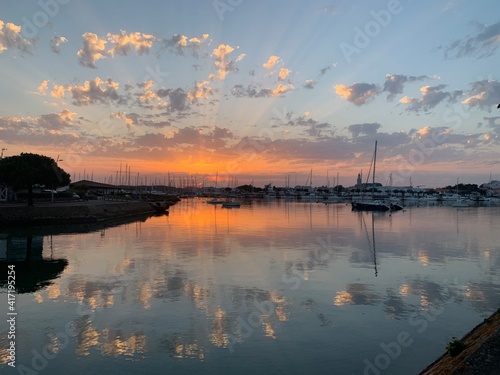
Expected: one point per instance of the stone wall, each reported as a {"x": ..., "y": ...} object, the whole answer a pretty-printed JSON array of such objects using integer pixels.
[{"x": 70, "y": 213}]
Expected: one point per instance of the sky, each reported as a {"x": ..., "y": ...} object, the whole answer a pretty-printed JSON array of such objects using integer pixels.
[{"x": 260, "y": 91}]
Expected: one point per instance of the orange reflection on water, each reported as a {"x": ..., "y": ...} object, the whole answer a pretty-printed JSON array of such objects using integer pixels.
[
  {"x": 87, "y": 338},
  {"x": 268, "y": 328},
  {"x": 183, "y": 350},
  {"x": 198, "y": 294},
  {"x": 474, "y": 294},
  {"x": 53, "y": 291},
  {"x": 218, "y": 335},
  {"x": 38, "y": 297},
  {"x": 145, "y": 295},
  {"x": 114, "y": 344},
  {"x": 423, "y": 258},
  {"x": 404, "y": 290},
  {"x": 343, "y": 298},
  {"x": 279, "y": 306}
]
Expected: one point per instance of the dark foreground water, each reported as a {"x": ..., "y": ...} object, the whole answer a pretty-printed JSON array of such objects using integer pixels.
[{"x": 269, "y": 288}]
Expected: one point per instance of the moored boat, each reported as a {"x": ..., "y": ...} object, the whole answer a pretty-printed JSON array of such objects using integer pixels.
[
  {"x": 160, "y": 206},
  {"x": 215, "y": 201},
  {"x": 370, "y": 206},
  {"x": 230, "y": 204}
]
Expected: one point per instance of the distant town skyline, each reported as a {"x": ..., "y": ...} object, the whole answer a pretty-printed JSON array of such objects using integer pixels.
[{"x": 261, "y": 91}]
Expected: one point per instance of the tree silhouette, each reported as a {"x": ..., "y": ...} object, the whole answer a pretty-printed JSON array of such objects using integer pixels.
[{"x": 26, "y": 170}]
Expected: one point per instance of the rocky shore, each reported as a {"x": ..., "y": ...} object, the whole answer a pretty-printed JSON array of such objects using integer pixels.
[
  {"x": 480, "y": 355},
  {"x": 70, "y": 212}
]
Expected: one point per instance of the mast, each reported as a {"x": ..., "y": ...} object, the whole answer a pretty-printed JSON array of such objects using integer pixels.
[{"x": 374, "y": 163}]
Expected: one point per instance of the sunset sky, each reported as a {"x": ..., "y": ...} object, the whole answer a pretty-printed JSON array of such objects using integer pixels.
[{"x": 255, "y": 90}]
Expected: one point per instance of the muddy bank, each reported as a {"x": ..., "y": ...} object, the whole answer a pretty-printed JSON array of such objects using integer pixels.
[
  {"x": 481, "y": 354},
  {"x": 70, "y": 213}
]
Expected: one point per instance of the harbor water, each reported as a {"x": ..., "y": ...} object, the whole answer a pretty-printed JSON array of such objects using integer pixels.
[{"x": 268, "y": 288}]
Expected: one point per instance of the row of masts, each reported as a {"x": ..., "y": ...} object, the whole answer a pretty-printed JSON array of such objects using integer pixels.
[{"x": 124, "y": 177}]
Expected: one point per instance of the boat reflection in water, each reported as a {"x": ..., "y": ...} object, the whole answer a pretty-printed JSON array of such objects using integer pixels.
[{"x": 273, "y": 287}]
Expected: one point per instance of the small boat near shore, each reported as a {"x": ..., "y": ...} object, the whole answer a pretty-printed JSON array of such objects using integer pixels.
[
  {"x": 215, "y": 201},
  {"x": 462, "y": 203},
  {"x": 230, "y": 204},
  {"x": 160, "y": 206}
]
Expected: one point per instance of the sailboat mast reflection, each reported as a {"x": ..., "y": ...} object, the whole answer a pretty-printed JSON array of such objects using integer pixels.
[{"x": 371, "y": 241}]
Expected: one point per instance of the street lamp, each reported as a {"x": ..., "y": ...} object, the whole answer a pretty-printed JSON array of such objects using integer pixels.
[{"x": 1, "y": 155}]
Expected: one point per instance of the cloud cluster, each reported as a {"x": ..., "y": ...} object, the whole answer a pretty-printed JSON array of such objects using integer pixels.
[
  {"x": 123, "y": 43},
  {"x": 94, "y": 47},
  {"x": 134, "y": 119},
  {"x": 186, "y": 137},
  {"x": 482, "y": 44},
  {"x": 484, "y": 94},
  {"x": 55, "y": 43},
  {"x": 358, "y": 93},
  {"x": 364, "y": 129},
  {"x": 54, "y": 129},
  {"x": 143, "y": 95},
  {"x": 56, "y": 121},
  {"x": 271, "y": 63},
  {"x": 95, "y": 92},
  {"x": 11, "y": 38},
  {"x": 254, "y": 91},
  {"x": 222, "y": 61},
  {"x": 431, "y": 97},
  {"x": 394, "y": 83},
  {"x": 181, "y": 44}
]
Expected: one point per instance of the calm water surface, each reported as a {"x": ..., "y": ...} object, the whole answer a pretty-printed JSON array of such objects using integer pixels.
[{"x": 269, "y": 288}]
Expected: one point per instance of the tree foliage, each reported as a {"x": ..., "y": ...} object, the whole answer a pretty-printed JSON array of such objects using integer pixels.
[{"x": 26, "y": 170}]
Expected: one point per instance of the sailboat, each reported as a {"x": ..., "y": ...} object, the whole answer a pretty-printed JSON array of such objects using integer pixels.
[{"x": 372, "y": 205}]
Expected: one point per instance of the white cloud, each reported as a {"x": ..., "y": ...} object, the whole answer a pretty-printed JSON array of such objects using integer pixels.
[
  {"x": 11, "y": 38},
  {"x": 42, "y": 89},
  {"x": 93, "y": 49},
  {"x": 271, "y": 62},
  {"x": 223, "y": 64},
  {"x": 123, "y": 43}
]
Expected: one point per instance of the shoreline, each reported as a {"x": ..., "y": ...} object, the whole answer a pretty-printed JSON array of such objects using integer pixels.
[
  {"x": 480, "y": 356},
  {"x": 12, "y": 215}
]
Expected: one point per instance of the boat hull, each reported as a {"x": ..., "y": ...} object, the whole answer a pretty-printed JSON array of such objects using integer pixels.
[{"x": 370, "y": 206}]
